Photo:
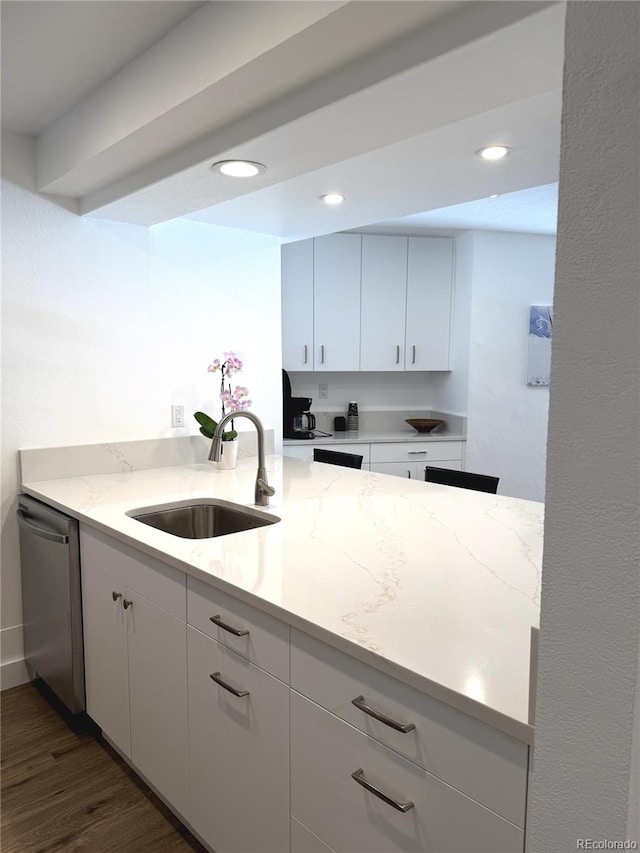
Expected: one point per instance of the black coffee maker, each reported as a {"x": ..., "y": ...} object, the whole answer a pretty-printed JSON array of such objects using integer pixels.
[{"x": 297, "y": 420}]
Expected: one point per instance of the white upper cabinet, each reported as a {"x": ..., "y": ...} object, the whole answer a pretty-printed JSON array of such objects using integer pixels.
[
  {"x": 384, "y": 297},
  {"x": 336, "y": 302},
  {"x": 368, "y": 302},
  {"x": 429, "y": 301},
  {"x": 297, "y": 305},
  {"x": 321, "y": 303}
]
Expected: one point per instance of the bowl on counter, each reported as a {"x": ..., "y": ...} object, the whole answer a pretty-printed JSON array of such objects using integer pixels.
[{"x": 424, "y": 424}]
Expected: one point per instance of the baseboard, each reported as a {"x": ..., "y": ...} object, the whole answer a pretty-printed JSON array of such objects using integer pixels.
[{"x": 13, "y": 673}]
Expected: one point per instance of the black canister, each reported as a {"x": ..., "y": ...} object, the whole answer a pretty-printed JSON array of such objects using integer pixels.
[{"x": 339, "y": 424}]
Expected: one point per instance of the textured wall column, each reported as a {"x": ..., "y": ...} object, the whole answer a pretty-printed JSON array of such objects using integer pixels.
[{"x": 583, "y": 781}]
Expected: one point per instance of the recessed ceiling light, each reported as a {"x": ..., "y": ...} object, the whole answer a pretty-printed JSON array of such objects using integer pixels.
[
  {"x": 239, "y": 168},
  {"x": 493, "y": 152},
  {"x": 332, "y": 198}
]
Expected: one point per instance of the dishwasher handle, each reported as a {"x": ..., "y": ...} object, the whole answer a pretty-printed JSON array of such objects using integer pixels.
[{"x": 51, "y": 535}]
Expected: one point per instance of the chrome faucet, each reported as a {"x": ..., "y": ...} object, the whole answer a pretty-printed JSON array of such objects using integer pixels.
[{"x": 263, "y": 490}]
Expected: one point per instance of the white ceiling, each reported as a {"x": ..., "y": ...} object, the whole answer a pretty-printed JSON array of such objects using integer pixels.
[
  {"x": 56, "y": 52},
  {"x": 531, "y": 211},
  {"x": 384, "y": 101}
]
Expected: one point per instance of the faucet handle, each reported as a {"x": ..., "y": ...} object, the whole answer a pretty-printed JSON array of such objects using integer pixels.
[{"x": 265, "y": 488}]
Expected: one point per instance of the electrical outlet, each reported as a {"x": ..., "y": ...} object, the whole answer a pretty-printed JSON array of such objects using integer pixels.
[
  {"x": 177, "y": 416},
  {"x": 323, "y": 390}
]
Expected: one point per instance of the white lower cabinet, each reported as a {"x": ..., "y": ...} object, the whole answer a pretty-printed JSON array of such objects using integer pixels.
[
  {"x": 305, "y": 452},
  {"x": 408, "y": 459},
  {"x": 136, "y": 658},
  {"x": 106, "y": 652},
  {"x": 257, "y": 766},
  {"x": 303, "y": 841},
  {"x": 411, "y": 470},
  {"x": 158, "y": 698},
  {"x": 239, "y": 751},
  {"x": 358, "y": 796},
  {"x": 397, "y": 458}
]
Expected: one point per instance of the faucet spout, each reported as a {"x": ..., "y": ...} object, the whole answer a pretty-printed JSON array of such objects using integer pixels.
[{"x": 263, "y": 490}]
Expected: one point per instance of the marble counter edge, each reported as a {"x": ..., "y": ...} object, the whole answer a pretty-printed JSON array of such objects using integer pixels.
[
  {"x": 484, "y": 713},
  {"x": 372, "y": 438}
]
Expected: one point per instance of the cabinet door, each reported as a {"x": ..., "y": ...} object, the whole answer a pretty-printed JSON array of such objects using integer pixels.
[
  {"x": 297, "y": 305},
  {"x": 239, "y": 751},
  {"x": 158, "y": 692},
  {"x": 303, "y": 841},
  {"x": 336, "y": 300},
  {"x": 384, "y": 287},
  {"x": 408, "y": 470},
  {"x": 105, "y": 652},
  {"x": 429, "y": 297},
  {"x": 326, "y": 798}
]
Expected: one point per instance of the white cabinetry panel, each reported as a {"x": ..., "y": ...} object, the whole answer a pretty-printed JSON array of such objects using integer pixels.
[
  {"x": 429, "y": 296},
  {"x": 336, "y": 302},
  {"x": 325, "y": 752},
  {"x": 158, "y": 690},
  {"x": 478, "y": 760},
  {"x": 384, "y": 288},
  {"x": 303, "y": 841},
  {"x": 306, "y": 453},
  {"x": 263, "y": 639},
  {"x": 297, "y": 305},
  {"x": 239, "y": 752},
  {"x": 415, "y": 451},
  {"x": 135, "y": 659},
  {"x": 105, "y": 649}
]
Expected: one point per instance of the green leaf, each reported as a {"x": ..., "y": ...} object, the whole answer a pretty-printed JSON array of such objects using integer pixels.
[{"x": 207, "y": 424}]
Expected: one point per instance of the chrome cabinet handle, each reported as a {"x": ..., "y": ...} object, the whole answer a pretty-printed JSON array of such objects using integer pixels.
[
  {"x": 413, "y": 354},
  {"x": 126, "y": 603},
  {"x": 397, "y": 355},
  {"x": 215, "y": 676},
  {"x": 305, "y": 354},
  {"x": 321, "y": 353},
  {"x": 217, "y": 620},
  {"x": 42, "y": 532},
  {"x": 416, "y": 452},
  {"x": 116, "y": 595},
  {"x": 361, "y": 705},
  {"x": 358, "y": 775}
]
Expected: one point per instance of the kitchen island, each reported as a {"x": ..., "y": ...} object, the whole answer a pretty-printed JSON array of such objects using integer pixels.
[{"x": 436, "y": 589}]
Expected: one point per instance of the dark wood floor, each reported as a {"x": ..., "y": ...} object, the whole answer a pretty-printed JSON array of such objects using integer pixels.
[{"x": 67, "y": 790}]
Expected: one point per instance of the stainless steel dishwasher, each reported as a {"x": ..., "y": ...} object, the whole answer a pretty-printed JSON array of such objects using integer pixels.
[{"x": 51, "y": 599}]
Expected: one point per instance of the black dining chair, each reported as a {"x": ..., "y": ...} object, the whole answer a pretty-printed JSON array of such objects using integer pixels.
[
  {"x": 333, "y": 457},
  {"x": 461, "y": 479}
]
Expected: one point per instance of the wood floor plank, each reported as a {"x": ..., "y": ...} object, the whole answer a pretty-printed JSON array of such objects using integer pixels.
[{"x": 67, "y": 790}]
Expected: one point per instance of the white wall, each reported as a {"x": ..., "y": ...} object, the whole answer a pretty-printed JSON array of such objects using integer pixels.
[
  {"x": 586, "y": 753},
  {"x": 370, "y": 390},
  {"x": 106, "y": 325},
  {"x": 507, "y": 420},
  {"x": 450, "y": 391}
]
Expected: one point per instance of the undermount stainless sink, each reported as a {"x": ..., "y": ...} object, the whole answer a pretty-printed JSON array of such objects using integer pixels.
[{"x": 202, "y": 519}]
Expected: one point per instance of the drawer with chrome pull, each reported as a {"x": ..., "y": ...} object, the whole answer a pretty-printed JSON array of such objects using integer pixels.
[
  {"x": 415, "y": 451},
  {"x": 475, "y": 758},
  {"x": 257, "y": 636},
  {"x": 361, "y": 797}
]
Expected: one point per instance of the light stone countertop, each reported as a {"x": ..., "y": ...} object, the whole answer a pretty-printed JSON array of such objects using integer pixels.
[
  {"x": 373, "y": 436},
  {"x": 436, "y": 586}
]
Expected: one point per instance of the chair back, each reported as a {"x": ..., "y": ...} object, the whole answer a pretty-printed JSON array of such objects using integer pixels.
[
  {"x": 461, "y": 479},
  {"x": 333, "y": 457}
]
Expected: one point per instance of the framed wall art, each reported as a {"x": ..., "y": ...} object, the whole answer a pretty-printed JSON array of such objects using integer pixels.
[{"x": 540, "y": 329}]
